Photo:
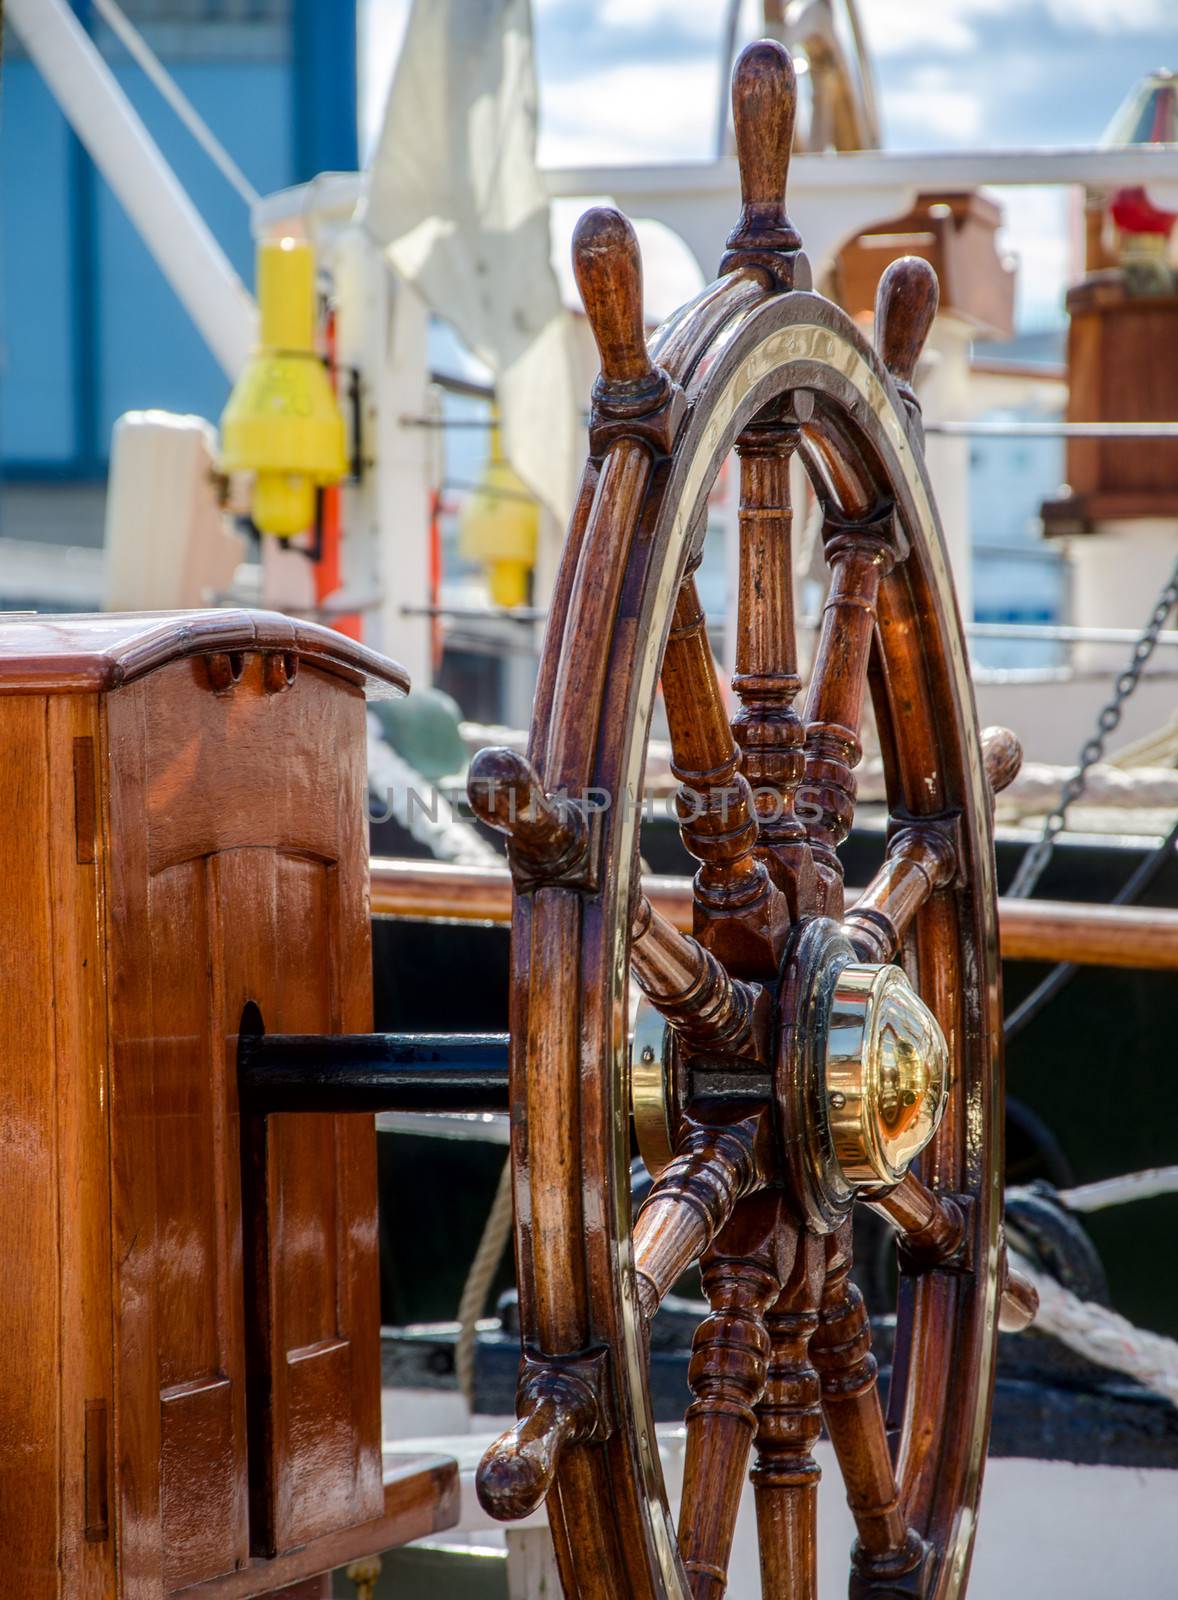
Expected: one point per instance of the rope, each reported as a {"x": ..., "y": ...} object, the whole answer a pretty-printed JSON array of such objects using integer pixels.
[
  {"x": 1142, "y": 788},
  {"x": 420, "y": 807},
  {"x": 154, "y": 70},
  {"x": 1118, "y": 1191},
  {"x": 1103, "y": 1336},
  {"x": 1094, "y": 1331},
  {"x": 496, "y": 1233}
]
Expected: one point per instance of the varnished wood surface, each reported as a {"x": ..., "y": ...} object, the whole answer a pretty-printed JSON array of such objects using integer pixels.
[
  {"x": 66, "y": 654},
  {"x": 1031, "y": 930},
  {"x": 905, "y": 305},
  {"x": 742, "y": 1273},
  {"x": 188, "y": 839},
  {"x": 422, "y": 1495},
  {"x": 789, "y": 1421},
  {"x": 1118, "y": 371},
  {"x": 31, "y": 1395},
  {"x": 768, "y": 728},
  {"x": 739, "y": 917},
  {"x": 242, "y": 885}
]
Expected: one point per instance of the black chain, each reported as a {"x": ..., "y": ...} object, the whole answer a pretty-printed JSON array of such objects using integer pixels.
[{"x": 1031, "y": 867}]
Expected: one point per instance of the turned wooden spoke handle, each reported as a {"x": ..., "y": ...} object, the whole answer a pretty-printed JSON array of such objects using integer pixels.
[
  {"x": 764, "y": 110},
  {"x": 1002, "y": 756},
  {"x": 607, "y": 265},
  {"x": 905, "y": 305},
  {"x": 1020, "y": 1300},
  {"x": 556, "y": 1409},
  {"x": 549, "y": 836}
]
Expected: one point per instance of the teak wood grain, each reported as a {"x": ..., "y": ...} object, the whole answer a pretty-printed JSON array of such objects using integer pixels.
[{"x": 193, "y": 1367}]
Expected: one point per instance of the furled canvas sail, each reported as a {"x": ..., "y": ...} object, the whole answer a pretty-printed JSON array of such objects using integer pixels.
[{"x": 456, "y": 196}]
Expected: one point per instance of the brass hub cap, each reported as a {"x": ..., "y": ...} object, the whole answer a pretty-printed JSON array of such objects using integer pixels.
[
  {"x": 862, "y": 1074},
  {"x": 886, "y": 1073},
  {"x": 860, "y": 1082}
]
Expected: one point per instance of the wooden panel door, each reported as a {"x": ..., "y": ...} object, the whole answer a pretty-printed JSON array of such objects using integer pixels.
[
  {"x": 30, "y": 1308},
  {"x": 55, "y": 1391},
  {"x": 238, "y": 861}
]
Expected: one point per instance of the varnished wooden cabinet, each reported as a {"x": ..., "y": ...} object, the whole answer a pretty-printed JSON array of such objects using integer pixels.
[
  {"x": 189, "y": 1325},
  {"x": 1121, "y": 368}
]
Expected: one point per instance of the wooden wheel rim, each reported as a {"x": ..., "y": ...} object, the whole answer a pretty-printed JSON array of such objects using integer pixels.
[{"x": 570, "y": 950}]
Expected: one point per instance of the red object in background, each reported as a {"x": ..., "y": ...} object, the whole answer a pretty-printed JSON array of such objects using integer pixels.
[
  {"x": 327, "y": 566},
  {"x": 1134, "y": 212},
  {"x": 437, "y": 638}
]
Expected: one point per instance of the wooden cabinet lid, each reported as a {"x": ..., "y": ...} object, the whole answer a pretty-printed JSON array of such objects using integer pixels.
[{"x": 98, "y": 652}]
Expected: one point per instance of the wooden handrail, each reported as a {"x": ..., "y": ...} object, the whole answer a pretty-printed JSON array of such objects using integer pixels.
[{"x": 1029, "y": 930}]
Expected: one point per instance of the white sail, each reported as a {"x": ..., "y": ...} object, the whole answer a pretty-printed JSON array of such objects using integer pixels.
[{"x": 456, "y": 197}]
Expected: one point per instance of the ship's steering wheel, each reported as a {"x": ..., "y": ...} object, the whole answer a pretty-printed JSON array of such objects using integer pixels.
[{"x": 793, "y": 1059}]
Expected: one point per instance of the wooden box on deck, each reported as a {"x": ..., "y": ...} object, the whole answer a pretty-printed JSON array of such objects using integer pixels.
[
  {"x": 189, "y": 1327},
  {"x": 1121, "y": 368}
]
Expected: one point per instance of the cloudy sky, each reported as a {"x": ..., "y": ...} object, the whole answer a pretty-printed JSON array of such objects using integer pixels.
[{"x": 637, "y": 81}]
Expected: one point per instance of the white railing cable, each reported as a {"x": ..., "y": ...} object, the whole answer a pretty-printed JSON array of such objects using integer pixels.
[
  {"x": 1020, "y": 429},
  {"x": 168, "y": 89}
]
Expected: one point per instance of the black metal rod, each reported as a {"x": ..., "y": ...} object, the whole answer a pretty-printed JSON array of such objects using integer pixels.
[{"x": 465, "y": 1072}]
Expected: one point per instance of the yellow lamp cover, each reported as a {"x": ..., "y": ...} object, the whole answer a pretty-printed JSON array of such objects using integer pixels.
[
  {"x": 499, "y": 528},
  {"x": 283, "y": 421}
]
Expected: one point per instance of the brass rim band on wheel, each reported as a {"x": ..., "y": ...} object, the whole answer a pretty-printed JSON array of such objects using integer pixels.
[{"x": 790, "y": 1060}]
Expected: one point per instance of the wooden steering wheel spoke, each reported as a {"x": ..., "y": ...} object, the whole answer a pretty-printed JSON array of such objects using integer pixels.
[
  {"x": 739, "y": 913},
  {"x": 559, "y": 1403},
  {"x": 764, "y": 110},
  {"x": 685, "y": 982},
  {"x": 768, "y": 728},
  {"x": 742, "y": 1273},
  {"x": 860, "y": 555},
  {"x": 931, "y": 1227},
  {"x": 715, "y": 1165},
  {"x": 921, "y": 858},
  {"x": 785, "y": 1475},
  {"x": 632, "y": 398},
  {"x": 887, "y": 1550},
  {"x": 1019, "y": 1305},
  {"x": 1002, "y": 756},
  {"x": 549, "y": 837},
  {"x": 906, "y": 301}
]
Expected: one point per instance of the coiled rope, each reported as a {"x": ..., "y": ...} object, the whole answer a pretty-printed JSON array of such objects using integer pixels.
[
  {"x": 1102, "y": 1335},
  {"x": 1097, "y": 1332}
]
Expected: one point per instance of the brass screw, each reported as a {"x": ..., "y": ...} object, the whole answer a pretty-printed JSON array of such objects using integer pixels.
[
  {"x": 364, "y": 1574},
  {"x": 837, "y": 1099}
]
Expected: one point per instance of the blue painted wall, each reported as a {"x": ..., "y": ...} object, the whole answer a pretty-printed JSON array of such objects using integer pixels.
[{"x": 89, "y": 327}]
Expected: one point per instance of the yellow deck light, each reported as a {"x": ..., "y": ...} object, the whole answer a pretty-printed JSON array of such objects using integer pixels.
[
  {"x": 283, "y": 422},
  {"x": 499, "y": 527}
]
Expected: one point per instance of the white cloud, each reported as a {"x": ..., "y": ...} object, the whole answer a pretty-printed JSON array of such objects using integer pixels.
[
  {"x": 630, "y": 113},
  {"x": 931, "y": 104},
  {"x": 898, "y": 27},
  {"x": 1113, "y": 16},
  {"x": 952, "y": 115},
  {"x": 699, "y": 18}
]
